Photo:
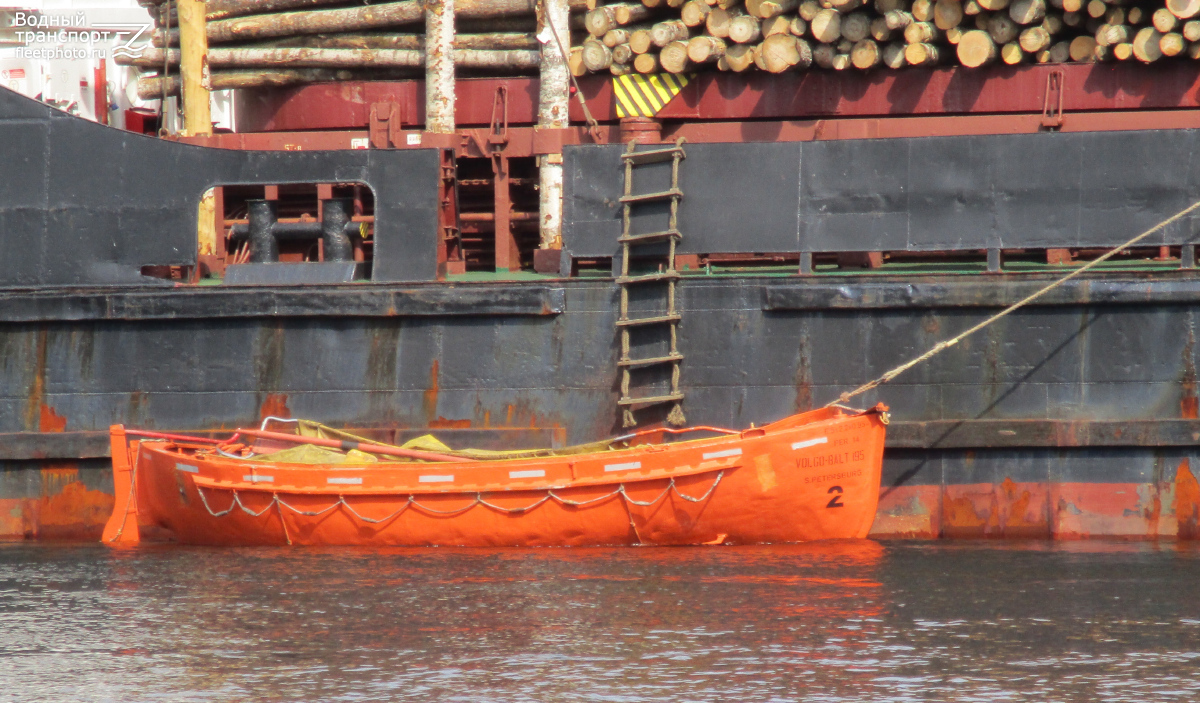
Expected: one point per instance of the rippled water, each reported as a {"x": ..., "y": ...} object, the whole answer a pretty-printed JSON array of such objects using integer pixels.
[{"x": 850, "y": 621}]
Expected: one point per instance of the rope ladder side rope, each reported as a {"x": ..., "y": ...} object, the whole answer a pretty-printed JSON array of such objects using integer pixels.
[{"x": 946, "y": 344}]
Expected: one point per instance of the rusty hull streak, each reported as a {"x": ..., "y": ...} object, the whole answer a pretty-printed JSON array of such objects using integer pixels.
[
  {"x": 1043, "y": 510},
  {"x": 1007, "y": 509},
  {"x": 66, "y": 509},
  {"x": 36, "y": 397},
  {"x": 909, "y": 512},
  {"x": 1186, "y": 503},
  {"x": 1189, "y": 404},
  {"x": 429, "y": 399},
  {"x": 275, "y": 405}
]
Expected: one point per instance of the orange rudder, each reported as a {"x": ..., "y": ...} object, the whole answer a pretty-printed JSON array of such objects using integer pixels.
[{"x": 122, "y": 527}]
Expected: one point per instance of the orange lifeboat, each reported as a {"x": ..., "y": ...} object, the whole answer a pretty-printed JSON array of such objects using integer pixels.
[{"x": 810, "y": 476}]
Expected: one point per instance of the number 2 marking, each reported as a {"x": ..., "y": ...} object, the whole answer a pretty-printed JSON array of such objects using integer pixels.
[{"x": 836, "y": 500}]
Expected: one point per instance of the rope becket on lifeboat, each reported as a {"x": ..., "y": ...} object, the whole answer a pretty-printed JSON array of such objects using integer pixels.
[{"x": 280, "y": 504}]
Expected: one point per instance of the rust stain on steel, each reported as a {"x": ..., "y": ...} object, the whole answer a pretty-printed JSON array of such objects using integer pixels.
[
  {"x": 137, "y": 403},
  {"x": 1189, "y": 404},
  {"x": 1153, "y": 512},
  {"x": 905, "y": 512},
  {"x": 1186, "y": 504},
  {"x": 430, "y": 397},
  {"x": 275, "y": 405},
  {"x": 803, "y": 379},
  {"x": 1023, "y": 509},
  {"x": 50, "y": 421},
  {"x": 65, "y": 510},
  {"x": 1005, "y": 510},
  {"x": 37, "y": 390},
  {"x": 441, "y": 423},
  {"x": 961, "y": 513},
  {"x": 268, "y": 362},
  {"x": 381, "y": 369},
  {"x": 56, "y": 477},
  {"x": 991, "y": 361},
  {"x": 83, "y": 345},
  {"x": 1133, "y": 510}
]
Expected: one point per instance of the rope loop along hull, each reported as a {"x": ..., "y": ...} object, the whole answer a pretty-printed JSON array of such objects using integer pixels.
[{"x": 810, "y": 476}]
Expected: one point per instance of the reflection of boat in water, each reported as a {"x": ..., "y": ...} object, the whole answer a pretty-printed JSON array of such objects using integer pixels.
[{"x": 815, "y": 475}]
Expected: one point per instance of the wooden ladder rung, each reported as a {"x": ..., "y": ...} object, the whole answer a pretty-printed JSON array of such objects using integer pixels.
[
  {"x": 646, "y": 197},
  {"x": 652, "y": 400},
  {"x": 648, "y": 320},
  {"x": 649, "y": 237},
  {"x": 654, "y": 156},
  {"x": 651, "y": 361},
  {"x": 649, "y": 278}
]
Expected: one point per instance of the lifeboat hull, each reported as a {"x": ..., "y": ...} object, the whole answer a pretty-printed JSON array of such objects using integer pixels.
[{"x": 810, "y": 476}]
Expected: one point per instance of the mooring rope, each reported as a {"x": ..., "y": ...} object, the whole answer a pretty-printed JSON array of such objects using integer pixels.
[{"x": 946, "y": 344}]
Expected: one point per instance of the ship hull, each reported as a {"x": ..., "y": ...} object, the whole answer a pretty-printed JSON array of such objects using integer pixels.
[{"x": 1073, "y": 419}]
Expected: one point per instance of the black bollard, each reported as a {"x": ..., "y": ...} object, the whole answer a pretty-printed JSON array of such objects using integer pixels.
[
  {"x": 334, "y": 220},
  {"x": 264, "y": 248}
]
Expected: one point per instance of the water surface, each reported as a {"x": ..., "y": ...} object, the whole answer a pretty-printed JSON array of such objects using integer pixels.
[{"x": 842, "y": 621}]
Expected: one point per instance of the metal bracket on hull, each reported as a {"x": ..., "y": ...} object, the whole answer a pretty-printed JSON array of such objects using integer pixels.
[{"x": 1052, "y": 107}]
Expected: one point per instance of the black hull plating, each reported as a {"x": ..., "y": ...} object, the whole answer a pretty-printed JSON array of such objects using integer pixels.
[{"x": 1098, "y": 386}]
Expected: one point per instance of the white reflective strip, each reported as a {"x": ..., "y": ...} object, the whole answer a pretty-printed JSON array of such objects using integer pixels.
[
  {"x": 623, "y": 467},
  {"x": 810, "y": 443},
  {"x": 187, "y": 468},
  {"x": 435, "y": 479},
  {"x": 532, "y": 473},
  {"x": 345, "y": 481},
  {"x": 722, "y": 454},
  {"x": 259, "y": 479}
]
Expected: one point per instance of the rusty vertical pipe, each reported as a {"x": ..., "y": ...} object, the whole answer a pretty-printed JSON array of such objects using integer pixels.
[
  {"x": 193, "y": 67},
  {"x": 439, "y": 66},
  {"x": 554, "y": 94}
]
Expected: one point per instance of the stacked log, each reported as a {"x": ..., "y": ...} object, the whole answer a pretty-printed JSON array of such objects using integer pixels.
[
  {"x": 295, "y": 41},
  {"x": 793, "y": 35},
  {"x": 256, "y": 43}
]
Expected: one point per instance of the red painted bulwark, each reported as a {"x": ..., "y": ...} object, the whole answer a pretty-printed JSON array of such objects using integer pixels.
[
  {"x": 348, "y": 105},
  {"x": 1001, "y": 89},
  {"x": 998, "y": 90}
]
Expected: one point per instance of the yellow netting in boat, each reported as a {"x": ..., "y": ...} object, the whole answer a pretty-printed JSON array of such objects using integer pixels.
[
  {"x": 312, "y": 454},
  {"x": 428, "y": 443}
]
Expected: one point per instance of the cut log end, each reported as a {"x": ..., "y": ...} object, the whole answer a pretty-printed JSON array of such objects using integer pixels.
[
  {"x": 921, "y": 54},
  {"x": 976, "y": 48}
]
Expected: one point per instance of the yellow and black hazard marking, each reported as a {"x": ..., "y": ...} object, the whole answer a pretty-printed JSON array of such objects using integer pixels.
[{"x": 643, "y": 95}]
